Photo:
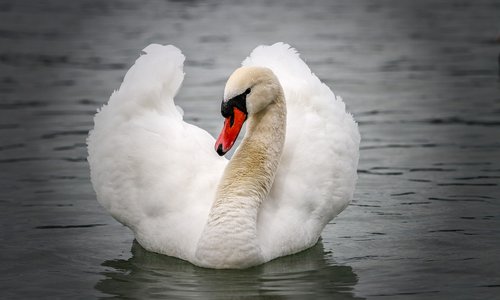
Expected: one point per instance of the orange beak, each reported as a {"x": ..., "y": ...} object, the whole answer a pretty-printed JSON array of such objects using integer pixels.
[{"x": 230, "y": 131}]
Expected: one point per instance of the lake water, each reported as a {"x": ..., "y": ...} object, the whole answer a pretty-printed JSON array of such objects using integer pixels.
[{"x": 421, "y": 78}]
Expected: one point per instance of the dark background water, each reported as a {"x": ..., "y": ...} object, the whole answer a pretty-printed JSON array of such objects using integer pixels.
[{"x": 421, "y": 78}]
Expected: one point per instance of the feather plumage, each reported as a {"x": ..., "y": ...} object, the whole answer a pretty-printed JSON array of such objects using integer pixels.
[{"x": 158, "y": 175}]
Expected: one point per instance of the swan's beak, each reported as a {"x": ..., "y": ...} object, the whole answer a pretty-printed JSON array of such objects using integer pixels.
[{"x": 232, "y": 127}]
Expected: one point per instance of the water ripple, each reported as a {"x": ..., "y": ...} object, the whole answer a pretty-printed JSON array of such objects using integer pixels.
[
  {"x": 68, "y": 226},
  {"x": 12, "y": 146},
  {"x": 53, "y": 60},
  {"x": 64, "y": 133}
]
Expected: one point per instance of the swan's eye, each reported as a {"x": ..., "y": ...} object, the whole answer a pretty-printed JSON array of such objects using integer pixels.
[{"x": 248, "y": 91}]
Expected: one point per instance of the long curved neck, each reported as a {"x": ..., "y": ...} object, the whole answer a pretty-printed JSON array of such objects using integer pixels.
[
  {"x": 250, "y": 173},
  {"x": 231, "y": 229}
]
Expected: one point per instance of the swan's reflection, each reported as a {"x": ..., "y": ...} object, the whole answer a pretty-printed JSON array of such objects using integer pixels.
[{"x": 150, "y": 275}]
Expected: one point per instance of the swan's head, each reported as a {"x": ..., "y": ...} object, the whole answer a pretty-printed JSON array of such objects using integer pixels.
[{"x": 248, "y": 91}]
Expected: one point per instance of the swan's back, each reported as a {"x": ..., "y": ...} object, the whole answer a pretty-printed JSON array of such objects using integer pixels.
[{"x": 317, "y": 174}]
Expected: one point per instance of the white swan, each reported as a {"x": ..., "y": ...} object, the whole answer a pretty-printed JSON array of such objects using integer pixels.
[{"x": 161, "y": 177}]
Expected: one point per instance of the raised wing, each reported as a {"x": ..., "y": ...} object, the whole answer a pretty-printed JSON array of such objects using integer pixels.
[
  {"x": 317, "y": 173},
  {"x": 151, "y": 170}
]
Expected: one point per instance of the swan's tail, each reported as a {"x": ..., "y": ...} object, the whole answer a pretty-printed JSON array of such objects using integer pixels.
[{"x": 151, "y": 83}]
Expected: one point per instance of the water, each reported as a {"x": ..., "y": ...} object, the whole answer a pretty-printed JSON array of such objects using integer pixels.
[{"x": 420, "y": 77}]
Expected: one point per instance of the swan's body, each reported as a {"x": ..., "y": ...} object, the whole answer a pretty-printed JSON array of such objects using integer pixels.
[{"x": 294, "y": 171}]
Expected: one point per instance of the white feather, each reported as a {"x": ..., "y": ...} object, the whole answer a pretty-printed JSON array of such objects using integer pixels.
[
  {"x": 157, "y": 174},
  {"x": 317, "y": 173}
]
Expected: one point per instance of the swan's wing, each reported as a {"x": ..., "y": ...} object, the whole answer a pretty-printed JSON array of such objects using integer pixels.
[
  {"x": 151, "y": 170},
  {"x": 317, "y": 173}
]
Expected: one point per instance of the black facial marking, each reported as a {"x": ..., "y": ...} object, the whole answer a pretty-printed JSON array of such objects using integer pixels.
[{"x": 240, "y": 102}]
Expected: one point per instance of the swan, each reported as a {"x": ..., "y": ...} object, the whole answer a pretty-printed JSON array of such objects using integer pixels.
[{"x": 294, "y": 171}]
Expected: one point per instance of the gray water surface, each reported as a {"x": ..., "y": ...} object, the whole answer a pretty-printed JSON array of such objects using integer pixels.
[{"x": 421, "y": 78}]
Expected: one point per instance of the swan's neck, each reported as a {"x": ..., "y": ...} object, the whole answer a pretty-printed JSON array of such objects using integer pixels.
[{"x": 230, "y": 235}]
